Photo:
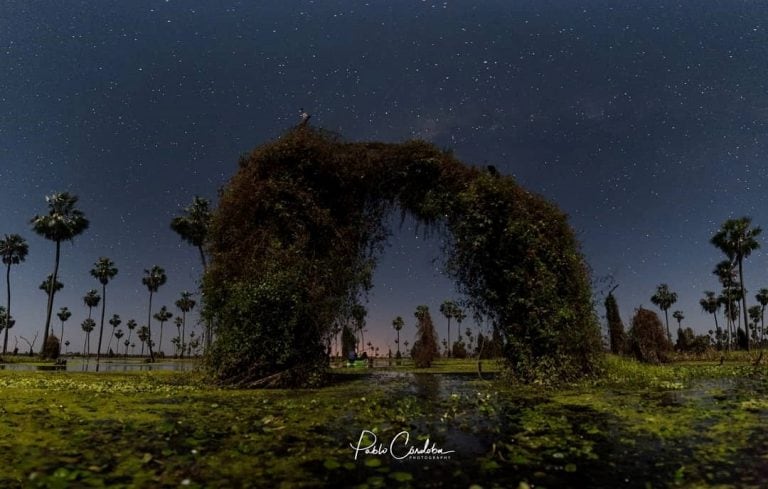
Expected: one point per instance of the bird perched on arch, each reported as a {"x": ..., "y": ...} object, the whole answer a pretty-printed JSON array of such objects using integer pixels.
[{"x": 304, "y": 117}]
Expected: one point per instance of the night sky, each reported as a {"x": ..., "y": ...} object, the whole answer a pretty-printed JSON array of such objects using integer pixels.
[{"x": 644, "y": 121}]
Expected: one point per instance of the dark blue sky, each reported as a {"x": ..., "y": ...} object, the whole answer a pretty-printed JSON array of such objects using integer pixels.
[{"x": 645, "y": 121}]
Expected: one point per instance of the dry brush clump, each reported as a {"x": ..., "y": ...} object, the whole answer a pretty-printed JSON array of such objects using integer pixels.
[{"x": 647, "y": 339}]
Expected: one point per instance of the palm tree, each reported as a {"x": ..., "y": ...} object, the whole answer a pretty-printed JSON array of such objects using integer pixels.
[
  {"x": 178, "y": 321},
  {"x": 13, "y": 250},
  {"x": 406, "y": 343},
  {"x": 144, "y": 338},
  {"x": 88, "y": 326},
  {"x": 678, "y": 315},
  {"x": 153, "y": 280},
  {"x": 448, "y": 309},
  {"x": 193, "y": 228},
  {"x": 118, "y": 334},
  {"x": 6, "y": 321},
  {"x": 185, "y": 304},
  {"x": 64, "y": 314},
  {"x": 664, "y": 298},
  {"x": 762, "y": 298},
  {"x": 62, "y": 223},
  {"x": 711, "y": 305},
  {"x": 131, "y": 325},
  {"x": 45, "y": 286},
  {"x": 737, "y": 240},
  {"x": 358, "y": 313},
  {"x": 114, "y": 321},
  {"x": 91, "y": 300},
  {"x": 127, "y": 343},
  {"x": 162, "y": 316},
  {"x": 398, "y": 324},
  {"x": 726, "y": 274},
  {"x": 754, "y": 314},
  {"x": 103, "y": 270},
  {"x": 459, "y": 315}
]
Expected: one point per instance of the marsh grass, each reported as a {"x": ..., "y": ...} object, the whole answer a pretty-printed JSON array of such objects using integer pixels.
[{"x": 682, "y": 425}]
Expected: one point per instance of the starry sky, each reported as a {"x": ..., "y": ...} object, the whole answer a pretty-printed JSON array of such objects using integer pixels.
[{"x": 645, "y": 121}]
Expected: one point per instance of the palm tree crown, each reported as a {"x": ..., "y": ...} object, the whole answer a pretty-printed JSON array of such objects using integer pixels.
[
  {"x": 63, "y": 221},
  {"x": 664, "y": 298},
  {"x": 13, "y": 249},
  {"x": 91, "y": 298},
  {"x": 46, "y": 285},
  {"x": 193, "y": 227},
  {"x": 104, "y": 270},
  {"x": 153, "y": 279}
]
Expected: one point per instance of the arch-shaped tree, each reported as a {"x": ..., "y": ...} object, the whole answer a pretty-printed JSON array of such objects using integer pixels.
[{"x": 294, "y": 241}]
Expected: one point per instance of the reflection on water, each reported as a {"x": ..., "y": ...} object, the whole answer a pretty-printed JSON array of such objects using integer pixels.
[{"x": 89, "y": 365}]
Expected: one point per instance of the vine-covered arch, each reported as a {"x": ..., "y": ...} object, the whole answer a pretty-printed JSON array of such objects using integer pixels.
[{"x": 295, "y": 238}]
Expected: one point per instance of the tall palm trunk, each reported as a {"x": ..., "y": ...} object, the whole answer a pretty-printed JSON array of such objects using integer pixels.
[
  {"x": 183, "y": 330},
  {"x": 666, "y": 320},
  {"x": 101, "y": 328},
  {"x": 61, "y": 339},
  {"x": 744, "y": 300},
  {"x": 149, "y": 329},
  {"x": 160, "y": 343},
  {"x": 51, "y": 287},
  {"x": 717, "y": 328},
  {"x": 8, "y": 308},
  {"x": 449, "y": 338}
]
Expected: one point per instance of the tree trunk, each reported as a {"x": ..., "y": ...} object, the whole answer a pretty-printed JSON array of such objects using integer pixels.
[
  {"x": 101, "y": 328},
  {"x": 666, "y": 320},
  {"x": 744, "y": 300},
  {"x": 183, "y": 330},
  {"x": 149, "y": 330},
  {"x": 8, "y": 309},
  {"x": 449, "y": 337},
  {"x": 51, "y": 288},
  {"x": 160, "y": 343}
]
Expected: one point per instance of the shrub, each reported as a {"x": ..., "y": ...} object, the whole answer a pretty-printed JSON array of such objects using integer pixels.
[
  {"x": 648, "y": 341},
  {"x": 51, "y": 347},
  {"x": 459, "y": 349},
  {"x": 616, "y": 332}
]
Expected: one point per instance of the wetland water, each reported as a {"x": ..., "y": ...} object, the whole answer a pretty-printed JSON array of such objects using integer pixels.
[
  {"x": 712, "y": 432},
  {"x": 108, "y": 365}
]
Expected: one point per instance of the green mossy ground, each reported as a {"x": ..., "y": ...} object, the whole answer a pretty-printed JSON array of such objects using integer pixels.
[{"x": 692, "y": 425}]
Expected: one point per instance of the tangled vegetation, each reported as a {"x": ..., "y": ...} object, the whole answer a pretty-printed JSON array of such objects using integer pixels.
[{"x": 294, "y": 242}]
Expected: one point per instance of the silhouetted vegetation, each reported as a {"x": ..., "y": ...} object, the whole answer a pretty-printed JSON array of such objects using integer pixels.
[
  {"x": 295, "y": 238},
  {"x": 617, "y": 336},
  {"x": 425, "y": 348},
  {"x": 647, "y": 340}
]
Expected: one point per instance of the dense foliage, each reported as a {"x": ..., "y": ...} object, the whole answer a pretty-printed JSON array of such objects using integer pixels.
[
  {"x": 425, "y": 349},
  {"x": 295, "y": 238},
  {"x": 647, "y": 339},
  {"x": 616, "y": 334}
]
